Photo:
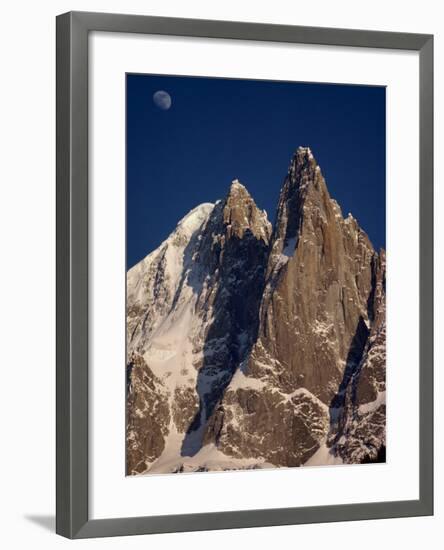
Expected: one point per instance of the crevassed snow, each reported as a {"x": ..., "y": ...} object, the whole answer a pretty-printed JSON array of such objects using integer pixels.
[
  {"x": 169, "y": 350},
  {"x": 173, "y": 263},
  {"x": 186, "y": 228}
]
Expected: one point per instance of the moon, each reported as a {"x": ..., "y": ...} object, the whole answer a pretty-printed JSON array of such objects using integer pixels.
[{"x": 162, "y": 100}]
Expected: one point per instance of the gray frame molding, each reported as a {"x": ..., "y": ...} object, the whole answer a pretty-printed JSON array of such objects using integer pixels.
[{"x": 72, "y": 273}]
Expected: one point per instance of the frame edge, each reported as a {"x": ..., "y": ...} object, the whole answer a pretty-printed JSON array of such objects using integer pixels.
[
  {"x": 72, "y": 274},
  {"x": 426, "y": 300},
  {"x": 63, "y": 160}
]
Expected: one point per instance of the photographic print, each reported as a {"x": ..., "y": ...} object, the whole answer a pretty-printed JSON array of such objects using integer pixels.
[{"x": 256, "y": 268}]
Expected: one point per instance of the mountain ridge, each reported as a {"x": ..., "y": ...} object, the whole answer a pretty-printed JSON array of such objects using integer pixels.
[{"x": 257, "y": 346}]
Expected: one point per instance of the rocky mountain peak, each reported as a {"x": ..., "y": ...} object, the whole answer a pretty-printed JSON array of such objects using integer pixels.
[
  {"x": 251, "y": 349},
  {"x": 241, "y": 214},
  {"x": 314, "y": 253},
  {"x": 304, "y": 173},
  {"x": 304, "y": 193},
  {"x": 237, "y": 187},
  {"x": 303, "y": 156}
]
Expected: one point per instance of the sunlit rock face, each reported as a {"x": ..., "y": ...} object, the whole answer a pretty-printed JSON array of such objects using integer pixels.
[{"x": 251, "y": 346}]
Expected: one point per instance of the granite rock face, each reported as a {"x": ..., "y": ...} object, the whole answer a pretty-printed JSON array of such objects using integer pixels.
[
  {"x": 252, "y": 346},
  {"x": 360, "y": 412},
  {"x": 148, "y": 415}
]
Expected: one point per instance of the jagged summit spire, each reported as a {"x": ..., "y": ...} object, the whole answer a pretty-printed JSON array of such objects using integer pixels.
[
  {"x": 304, "y": 151},
  {"x": 231, "y": 333},
  {"x": 303, "y": 159},
  {"x": 242, "y": 213},
  {"x": 238, "y": 188},
  {"x": 303, "y": 185}
]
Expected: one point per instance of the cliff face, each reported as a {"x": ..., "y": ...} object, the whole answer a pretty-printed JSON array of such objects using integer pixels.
[
  {"x": 252, "y": 346},
  {"x": 319, "y": 283},
  {"x": 192, "y": 317},
  {"x": 360, "y": 412}
]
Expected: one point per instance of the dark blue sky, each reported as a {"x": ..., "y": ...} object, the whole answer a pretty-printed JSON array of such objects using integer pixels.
[{"x": 218, "y": 129}]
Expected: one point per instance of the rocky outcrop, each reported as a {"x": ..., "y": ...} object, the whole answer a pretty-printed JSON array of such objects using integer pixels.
[
  {"x": 262, "y": 344},
  {"x": 322, "y": 294},
  {"x": 148, "y": 416},
  {"x": 318, "y": 285},
  {"x": 234, "y": 247},
  {"x": 358, "y": 432},
  {"x": 193, "y": 310}
]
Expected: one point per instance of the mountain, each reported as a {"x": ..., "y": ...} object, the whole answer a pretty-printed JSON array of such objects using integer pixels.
[{"x": 254, "y": 346}]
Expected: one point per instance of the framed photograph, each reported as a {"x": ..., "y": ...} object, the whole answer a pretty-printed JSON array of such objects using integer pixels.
[{"x": 244, "y": 275}]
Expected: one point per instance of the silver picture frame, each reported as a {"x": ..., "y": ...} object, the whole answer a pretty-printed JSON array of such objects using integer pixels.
[{"x": 72, "y": 514}]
